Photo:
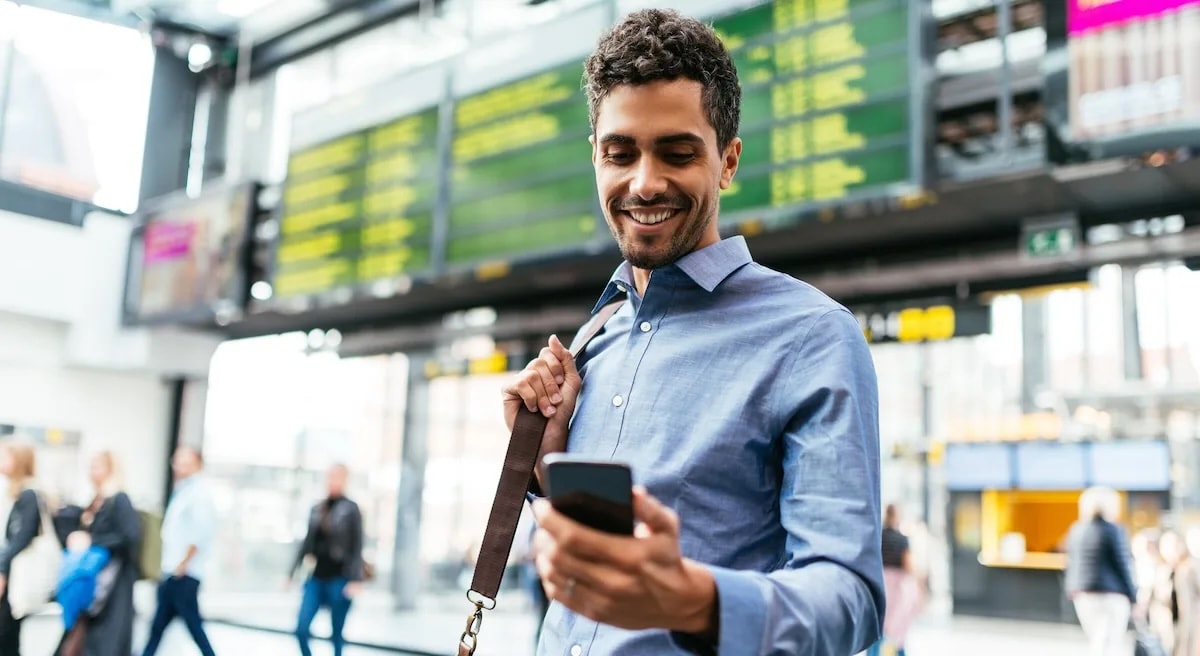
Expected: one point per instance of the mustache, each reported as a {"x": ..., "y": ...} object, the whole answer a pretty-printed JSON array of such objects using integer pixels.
[{"x": 661, "y": 200}]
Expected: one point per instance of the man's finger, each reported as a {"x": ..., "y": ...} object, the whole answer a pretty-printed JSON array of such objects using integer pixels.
[
  {"x": 554, "y": 362},
  {"x": 547, "y": 363},
  {"x": 651, "y": 512},
  {"x": 565, "y": 357},
  {"x": 586, "y": 543}
]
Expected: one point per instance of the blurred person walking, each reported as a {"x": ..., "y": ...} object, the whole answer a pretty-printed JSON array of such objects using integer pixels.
[
  {"x": 1163, "y": 611},
  {"x": 1099, "y": 579},
  {"x": 334, "y": 547},
  {"x": 1187, "y": 586},
  {"x": 115, "y": 526},
  {"x": 903, "y": 588},
  {"x": 24, "y": 519},
  {"x": 187, "y": 535}
]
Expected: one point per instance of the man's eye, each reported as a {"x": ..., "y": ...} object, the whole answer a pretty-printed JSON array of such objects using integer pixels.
[
  {"x": 619, "y": 157},
  {"x": 680, "y": 158}
]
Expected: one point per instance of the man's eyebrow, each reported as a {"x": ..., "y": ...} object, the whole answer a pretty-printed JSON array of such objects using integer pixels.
[
  {"x": 666, "y": 140},
  {"x": 682, "y": 137},
  {"x": 617, "y": 139}
]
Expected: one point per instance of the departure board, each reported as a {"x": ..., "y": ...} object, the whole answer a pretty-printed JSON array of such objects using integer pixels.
[
  {"x": 826, "y": 102},
  {"x": 521, "y": 177},
  {"x": 359, "y": 208}
]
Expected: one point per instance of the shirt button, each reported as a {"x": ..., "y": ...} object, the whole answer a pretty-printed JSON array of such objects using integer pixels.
[
  {"x": 618, "y": 401},
  {"x": 645, "y": 326},
  {"x": 576, "y": 650},
  {"x": 622, "y": 289}
]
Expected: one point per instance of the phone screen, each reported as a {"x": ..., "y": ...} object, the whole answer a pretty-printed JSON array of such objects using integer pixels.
[{"x": 595, "y": 494}]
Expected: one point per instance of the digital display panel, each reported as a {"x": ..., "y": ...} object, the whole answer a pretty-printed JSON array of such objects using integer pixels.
[
  {"x": 1131, "y": 465},
  {"x": 188, "y": 255},
  {"x": 521, "y": 178},
  {"x": 1134, "y": 65},
  {"x": 1051, "y": 466},
  {"x": 826, "y": 102},
  {"x": 359, "y": 208},
  {"x": 972, "y": 467}
]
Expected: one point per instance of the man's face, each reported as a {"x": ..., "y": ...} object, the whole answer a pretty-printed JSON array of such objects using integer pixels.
[
  {"x": 185, "y": 463},
  {"x": 659, "y": 171}
]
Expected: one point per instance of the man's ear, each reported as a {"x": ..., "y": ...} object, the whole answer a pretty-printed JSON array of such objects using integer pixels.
[
  {"x": 592, "y": 140},
  {"x": 729, "y": 161}
]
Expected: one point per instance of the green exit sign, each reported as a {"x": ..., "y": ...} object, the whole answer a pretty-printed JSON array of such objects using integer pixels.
[{"x": 1050, "y": 238}]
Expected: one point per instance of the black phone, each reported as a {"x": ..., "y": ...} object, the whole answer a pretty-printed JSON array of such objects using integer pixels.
[{"x": 594, "y": 493}]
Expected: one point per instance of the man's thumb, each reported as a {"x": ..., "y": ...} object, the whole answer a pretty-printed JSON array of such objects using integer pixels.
[{"x": 651, "y": 512}]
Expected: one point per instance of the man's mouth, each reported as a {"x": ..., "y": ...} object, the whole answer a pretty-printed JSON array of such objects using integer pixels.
[{"x": 651, "y": 216}]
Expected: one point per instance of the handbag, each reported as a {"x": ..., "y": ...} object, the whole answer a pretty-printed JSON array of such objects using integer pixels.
[
  {"x": 519, "y": 463},
  {"x": 33, "y": 574}
]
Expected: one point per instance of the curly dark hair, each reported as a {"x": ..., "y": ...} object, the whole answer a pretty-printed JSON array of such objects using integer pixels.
[{"x": 661, "y": 44}]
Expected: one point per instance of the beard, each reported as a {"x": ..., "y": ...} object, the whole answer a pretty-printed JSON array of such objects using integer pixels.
[{"x": 651, "y": 252}]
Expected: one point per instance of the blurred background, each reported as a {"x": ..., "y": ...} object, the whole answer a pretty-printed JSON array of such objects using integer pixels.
[{"x": 314, "y": 231}]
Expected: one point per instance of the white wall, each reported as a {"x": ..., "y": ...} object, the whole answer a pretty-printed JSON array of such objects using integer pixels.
[{"x": 65, "y": 361}]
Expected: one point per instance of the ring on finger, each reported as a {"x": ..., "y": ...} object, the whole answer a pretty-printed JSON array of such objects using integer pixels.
[{"x": 569, "y": 589}]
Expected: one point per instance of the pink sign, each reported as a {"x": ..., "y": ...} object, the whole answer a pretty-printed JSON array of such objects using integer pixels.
[
  {"x": 167, "y": 241},
  {"x": 1087, "y": 15}
]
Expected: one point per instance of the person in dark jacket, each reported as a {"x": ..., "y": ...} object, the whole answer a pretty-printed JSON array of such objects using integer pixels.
[
  {"x": 17, "y": 464},
  {"x": 1099, "y": 578},
  {"x": 115, "y": 526},
  {"x": 334, "y": 548}
]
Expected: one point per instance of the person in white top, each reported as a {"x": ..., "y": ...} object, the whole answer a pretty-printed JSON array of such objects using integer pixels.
[{"x": 187, "y": 534}]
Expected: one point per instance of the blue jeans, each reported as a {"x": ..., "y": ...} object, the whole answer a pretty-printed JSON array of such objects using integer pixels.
[
  {"x": 178, "y": 597},
  {"x": 330, "y": 594}
]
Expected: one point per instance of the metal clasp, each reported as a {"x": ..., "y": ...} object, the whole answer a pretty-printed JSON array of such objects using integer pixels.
[{"x": 470, "y": 634}]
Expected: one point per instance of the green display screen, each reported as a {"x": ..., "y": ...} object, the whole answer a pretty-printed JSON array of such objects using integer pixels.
[
  {"x": 359, "y": 208},
  {"x": 826, "y": 105},
  {"x": 521, "y": 176},
  {"x": 827, "y": 119}
]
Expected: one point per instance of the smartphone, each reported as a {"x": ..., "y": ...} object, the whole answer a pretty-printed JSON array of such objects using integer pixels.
[{"x": 594, "y": 493}]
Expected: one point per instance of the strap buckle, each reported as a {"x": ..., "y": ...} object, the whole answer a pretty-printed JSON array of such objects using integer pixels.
[{"x": 469, "y": 639}]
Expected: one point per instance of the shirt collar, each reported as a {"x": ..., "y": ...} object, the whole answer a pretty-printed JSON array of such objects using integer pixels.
[{"x": 707, "y": 267}]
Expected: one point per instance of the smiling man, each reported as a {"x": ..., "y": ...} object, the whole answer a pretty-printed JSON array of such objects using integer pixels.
[{"x": 744, "y": 400}]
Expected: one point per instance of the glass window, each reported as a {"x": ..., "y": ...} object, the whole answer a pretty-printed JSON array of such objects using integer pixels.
[
  {"x": 278, "y": 416},
  {"x": 76, "y": 114}
]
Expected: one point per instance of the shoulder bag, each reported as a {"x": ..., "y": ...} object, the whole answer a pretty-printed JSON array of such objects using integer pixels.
[
  {"x": 519, "y": 463},
  {"x": 33, "y": 574}
]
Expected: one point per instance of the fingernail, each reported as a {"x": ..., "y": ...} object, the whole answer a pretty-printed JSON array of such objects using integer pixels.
[
  {"x": 560, "y": 380},
  {"x": 557, "y": 398},
  {"x": 550, "y": 411}
]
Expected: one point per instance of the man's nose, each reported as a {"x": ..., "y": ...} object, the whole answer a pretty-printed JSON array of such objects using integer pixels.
[{"x": 648, "y": 180}]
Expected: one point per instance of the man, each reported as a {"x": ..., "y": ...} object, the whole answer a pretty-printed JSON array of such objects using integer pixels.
[
  {"x": 745, "y": 400},
  {"x": 187, "y": 534}
]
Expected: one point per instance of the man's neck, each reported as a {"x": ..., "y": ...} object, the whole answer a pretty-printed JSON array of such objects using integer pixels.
[{"x": 641, "y": 280}]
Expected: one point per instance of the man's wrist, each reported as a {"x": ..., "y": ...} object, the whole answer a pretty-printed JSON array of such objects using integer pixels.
[{"x": 700, "y": 608}]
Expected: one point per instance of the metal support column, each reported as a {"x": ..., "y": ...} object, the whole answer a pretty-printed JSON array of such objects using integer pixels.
[
  {"x": 10, "y": 64},
  {"x": 406, "y": 578},
  {"x": 1131, "y": 339},
  {"x": 1033, "y": 352},
  {"x": 1005, "y": 100},
  {"x": 176, "y": 388},
  {"x": 926, "y": 428}
]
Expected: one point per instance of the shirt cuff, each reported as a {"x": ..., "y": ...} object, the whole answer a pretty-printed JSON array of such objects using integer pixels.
[{"x": 743, "y": 615}]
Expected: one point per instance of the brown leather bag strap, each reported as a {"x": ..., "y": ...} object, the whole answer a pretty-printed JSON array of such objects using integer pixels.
[{"x": 519, "y": 463}]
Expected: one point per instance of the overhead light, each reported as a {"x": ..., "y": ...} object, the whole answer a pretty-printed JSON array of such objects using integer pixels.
[
  {"x": 199, "y": 56},
  {"x": 240, "y": 8}
]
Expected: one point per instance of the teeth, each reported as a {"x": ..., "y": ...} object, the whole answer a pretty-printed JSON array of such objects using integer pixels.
[{"x": 650, "y": 218}]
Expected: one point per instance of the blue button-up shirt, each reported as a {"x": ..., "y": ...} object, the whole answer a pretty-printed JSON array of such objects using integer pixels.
[{"x": 745, "y": 400}]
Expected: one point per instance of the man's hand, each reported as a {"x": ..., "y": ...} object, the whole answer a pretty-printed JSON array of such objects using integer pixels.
[
  {"x": 549, "y": 384},
  {"x": 3, "y": 584},
  {"x": 181, "y": 570},
  {"x": 352, "y": 589},
  {"x": 639, "y": 582}
]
